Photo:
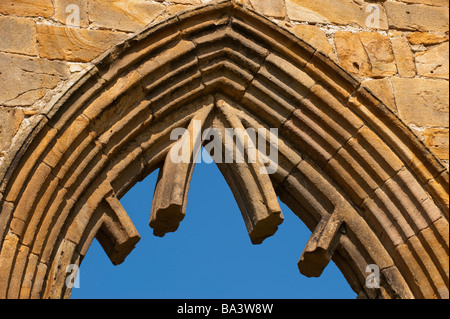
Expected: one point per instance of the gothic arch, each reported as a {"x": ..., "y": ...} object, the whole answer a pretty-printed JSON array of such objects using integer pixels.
[{"x": 369, "y": 190}]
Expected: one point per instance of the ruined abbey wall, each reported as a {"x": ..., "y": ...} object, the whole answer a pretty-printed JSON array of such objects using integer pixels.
[
  {"x": 399, "y": 49},
  {"x": 89, "y": 91}
]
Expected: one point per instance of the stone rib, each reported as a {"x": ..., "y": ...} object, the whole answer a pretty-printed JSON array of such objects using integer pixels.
[
  {"x": 252, "y": 190},
  {"x": 172, "y": 187}
]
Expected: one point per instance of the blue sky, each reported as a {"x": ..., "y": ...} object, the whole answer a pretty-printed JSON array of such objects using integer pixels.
[{"x": 209, "y": 257}]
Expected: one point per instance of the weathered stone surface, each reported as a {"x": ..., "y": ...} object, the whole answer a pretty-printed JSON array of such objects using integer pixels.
[
  {"x": 345, "y": 12},
  {"x": 426, "y": 38},
  {"x": 416, "y": 17},
  {"x": 434, "y": 62},
  {"x": 397, "y": 283},
  {"x": 6, "y": 209},
  {"x": 17, "y": 35},
  {"x": 24, "y": 80},
  {"x": 10, "y": 120},
  {"x": 271, "y": 8},
  {"x": 25, "y": 290},
  {"x": 365, "y": 54},
  {"x": 27, "y": 8},
  {"x": 123, "y": 15},
  {"x": 16, "y": 275},
  {"x": 438, "y": 141},
  {"x": 320, "y": 247},
  {"x": 316, "y": 37},
  {"x": 296, "y": 12},
  {"x": 383, "y": 90},
  {"x": 404, "y": 57},
  {"x": 120, "y": 229},
  {"x": 315, "y": 105},
  {"x": 75, "y": 45},
  {"x": 251, "y": 186},
  {"x": 441, "y": 3},
  {"x": 422, "y": 102},
  {"x": 72, "y": 12},
  {"x": 436, "y": 280},
  {"x": 186, "y": 1},
  {"x": 172, "y": 187},
  {"x": 174, "y": 9},
  {"x": 9, "y": 247}
]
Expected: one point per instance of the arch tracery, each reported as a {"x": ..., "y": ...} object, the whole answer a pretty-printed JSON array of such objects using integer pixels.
[{"x": 348, "y": 167}]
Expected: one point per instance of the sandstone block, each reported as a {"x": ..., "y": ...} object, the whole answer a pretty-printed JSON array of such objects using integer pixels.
[
  {"x": 321, "y": 246},
  {"x": 380, "y": 152},
  {"x": 38, "y": 283},
  {"x": 422, "y": 102},
  {"x": 335, "y": 113},
  {"x": 296, "y": 12},
  {"x": 75, "y": 45},
  {"x": 7, "y": 254},
  {"x": 316, "y": 37},
  {"x": 174, "y": 9},
  {"x": 365, "y": 54},
  {"x": 185, "y": 1},
  {"x": 10, "y": 120},
  {"x": 131, "y": 16},
  {"x": 383, "y": 90},
  {"x": 345, "y": 12},
  {"x": 332, "y": 76},
  {"x": 438, "y": 141},
  {"x": 18, "y": 35},
  {"x": 24, "y": 80},
  {"x": 442, "y": 228},
  {"x": 412, "y": 272},
  {"x": 72, "y": 12},
  {"x": 27, "y": 284},
  {"x": 434, "y": 63},
  {"x": 416, "y": 17},
  {"x": 438, "y": 3},
  {"x": 270, "y": 8},
  {"x": 426, "y": 38},
  {"x": 432, "y": 237},
  {"x": 404, "y": 58},
  {"x": 17, "y": 273},
  {"x": 299, "y": 75},
  {"x": 397, "y": 283},
  {"x": 120, "y": 230},
  {"x": 6, "y": 209},
  {"x": 27, "y": 8},
  {"x": 431, "y": 270},
  {"x": 383, "y": 225},
  {"x": 75, "y": 129}
]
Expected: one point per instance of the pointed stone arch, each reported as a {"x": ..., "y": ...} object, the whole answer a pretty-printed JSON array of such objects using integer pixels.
[{"x": 369, "y": 190}]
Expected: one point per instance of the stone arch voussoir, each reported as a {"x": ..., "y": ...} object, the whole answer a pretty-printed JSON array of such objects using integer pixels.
[{"x": 368, "y": 189}]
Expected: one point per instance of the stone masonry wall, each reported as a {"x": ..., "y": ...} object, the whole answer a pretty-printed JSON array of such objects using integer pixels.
[{"x": 399, "y": 49}]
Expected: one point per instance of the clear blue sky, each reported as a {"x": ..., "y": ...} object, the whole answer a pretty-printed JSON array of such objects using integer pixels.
[{"x": 209, "y": 257}]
